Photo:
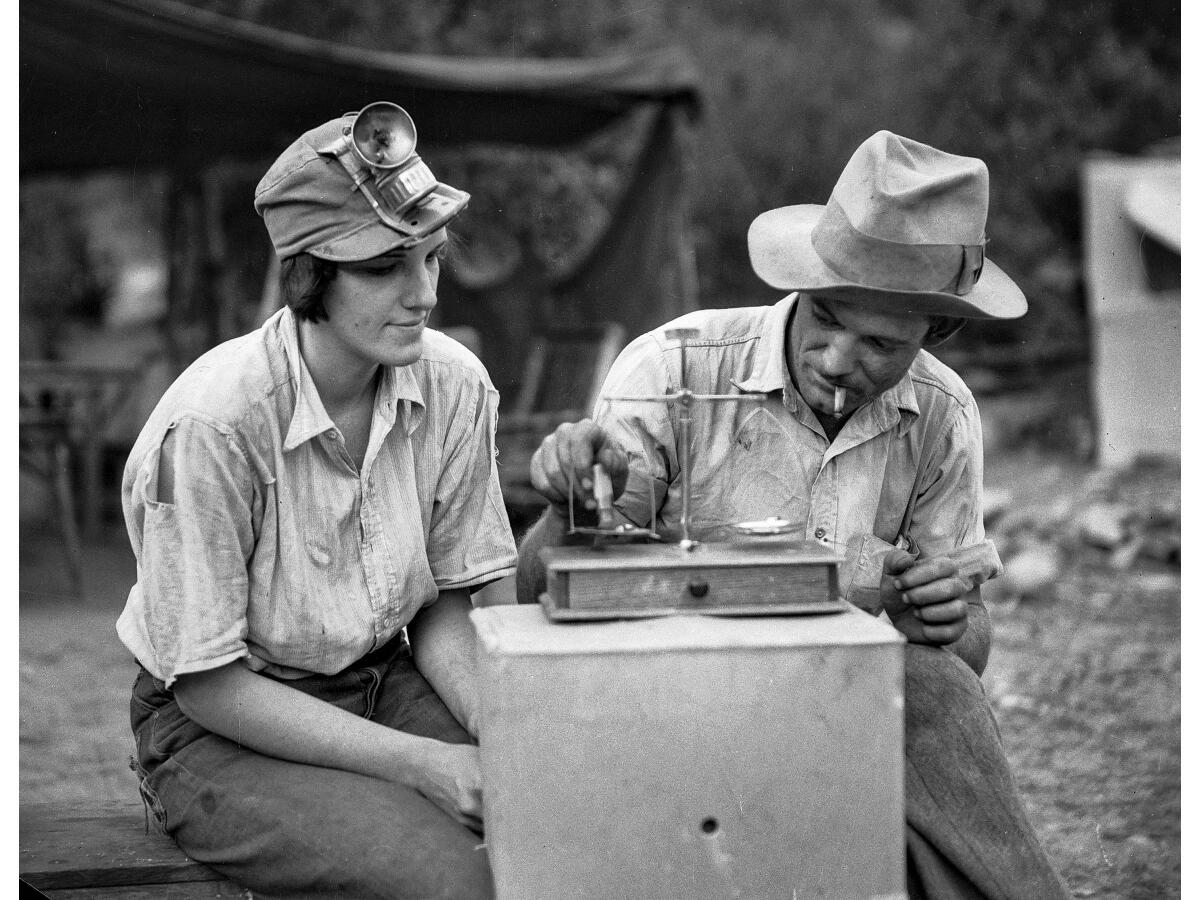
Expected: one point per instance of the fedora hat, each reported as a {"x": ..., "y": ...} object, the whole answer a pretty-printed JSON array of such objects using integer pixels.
[{"x": 904, "y": 224}]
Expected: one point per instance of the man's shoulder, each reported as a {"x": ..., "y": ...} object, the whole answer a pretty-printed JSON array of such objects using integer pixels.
[
  {"x": 721, "y": 326},
  {"x": 935, "y": 382}
]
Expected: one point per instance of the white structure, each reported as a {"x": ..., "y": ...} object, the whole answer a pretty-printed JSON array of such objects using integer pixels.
[
  {"x": 1132, "y": 258},
  {"x": 692, "y": 756}
]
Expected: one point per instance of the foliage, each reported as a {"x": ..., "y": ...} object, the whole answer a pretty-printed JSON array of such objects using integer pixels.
[{"x": 1029, "y": 86}]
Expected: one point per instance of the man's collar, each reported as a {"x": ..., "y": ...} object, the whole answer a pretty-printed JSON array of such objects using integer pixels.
[
  {"x": 770, "y": 372},
  {"x": 309, "y": 418}
]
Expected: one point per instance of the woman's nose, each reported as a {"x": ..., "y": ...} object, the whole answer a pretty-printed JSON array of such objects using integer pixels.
[{"x": 421, "y": 292}]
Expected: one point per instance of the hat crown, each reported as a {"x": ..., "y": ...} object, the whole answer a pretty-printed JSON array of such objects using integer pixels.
[
  {"x": 904, "y": 228},
  {"x": 899, "y": 190}
]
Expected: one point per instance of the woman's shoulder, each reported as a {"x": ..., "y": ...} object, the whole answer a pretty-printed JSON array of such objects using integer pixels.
[
  {"x": 230, "y": 387},
  {"x": 451, "y": 358}
]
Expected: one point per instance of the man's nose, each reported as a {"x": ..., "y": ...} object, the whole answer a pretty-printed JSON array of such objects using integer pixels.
[{"x": 838, "y": 357}]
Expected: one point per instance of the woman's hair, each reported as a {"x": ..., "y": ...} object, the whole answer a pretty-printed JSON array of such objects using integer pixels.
[{"x": 303, "y": 280}]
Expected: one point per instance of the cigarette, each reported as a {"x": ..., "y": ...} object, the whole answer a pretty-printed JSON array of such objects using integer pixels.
[{"x": 839, "y": 400}]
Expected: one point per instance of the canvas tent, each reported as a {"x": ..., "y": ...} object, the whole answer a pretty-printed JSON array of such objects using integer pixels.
[{"x": 155, "y": 85}]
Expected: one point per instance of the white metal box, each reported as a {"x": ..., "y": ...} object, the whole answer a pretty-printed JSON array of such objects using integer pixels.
[{"x": 692, "y": 756}]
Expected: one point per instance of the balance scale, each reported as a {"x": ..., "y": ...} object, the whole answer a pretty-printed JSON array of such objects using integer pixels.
[{"x": 758, "y": 574}]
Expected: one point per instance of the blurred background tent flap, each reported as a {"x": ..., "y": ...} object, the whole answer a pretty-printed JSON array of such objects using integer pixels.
[{"x": 195, "y": 105}]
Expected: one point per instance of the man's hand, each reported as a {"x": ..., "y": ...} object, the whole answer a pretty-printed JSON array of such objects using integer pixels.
[
  {"x": 568, "y": 454},
  {"x": 924, "y": 599}
]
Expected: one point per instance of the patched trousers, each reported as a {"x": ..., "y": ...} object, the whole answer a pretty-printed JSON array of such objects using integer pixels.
[{"x": 289, "y": 830}]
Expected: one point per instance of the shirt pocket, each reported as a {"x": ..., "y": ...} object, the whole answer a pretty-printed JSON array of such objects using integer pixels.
[{"x": 765, "y": 472}]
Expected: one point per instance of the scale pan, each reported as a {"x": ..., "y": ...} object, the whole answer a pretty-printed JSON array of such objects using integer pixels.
[{"x": 767, "y": 526}]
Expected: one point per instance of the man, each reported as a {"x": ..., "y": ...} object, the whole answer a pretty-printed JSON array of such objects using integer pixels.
[{"x": 865, "y": 440}]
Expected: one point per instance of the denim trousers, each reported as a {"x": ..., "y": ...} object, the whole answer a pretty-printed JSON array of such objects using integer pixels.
[
  {"x": 289, "y": 830},
  {"x": 967, "y": 833}
]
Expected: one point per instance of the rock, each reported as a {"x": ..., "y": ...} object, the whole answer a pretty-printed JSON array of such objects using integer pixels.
[
  {"x": 994, "y": 501},
  {"x": 1103, "y": 525},
  {"x": 1031, "y": 573}
]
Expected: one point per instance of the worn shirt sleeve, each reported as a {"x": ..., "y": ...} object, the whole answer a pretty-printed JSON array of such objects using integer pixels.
[
  {"x": 187, "y": 612},
  {"x": 470, "y": 541},
  {"x": 947, "y": 518}
]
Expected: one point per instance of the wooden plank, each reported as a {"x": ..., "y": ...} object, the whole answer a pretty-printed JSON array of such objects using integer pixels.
[
  {"x": 183, "y": 890},
  {"x": 72, "y": 845}
]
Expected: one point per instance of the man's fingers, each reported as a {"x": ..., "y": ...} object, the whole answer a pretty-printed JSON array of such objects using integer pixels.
[
  {"x": 923, "y": 572},
  {"x": 942, "y": 613},
  {"x": 944, "y": 634},
  {"x": 565, "y": 459},
  {"x": 935, "y": 592},
  {"x": 897, "y": 561}
]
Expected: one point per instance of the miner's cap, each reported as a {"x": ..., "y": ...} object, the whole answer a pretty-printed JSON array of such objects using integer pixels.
[{"x": 310, "y": 203}]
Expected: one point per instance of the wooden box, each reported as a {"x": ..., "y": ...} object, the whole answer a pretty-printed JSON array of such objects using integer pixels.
[
  {"x": 633, "y": 580},
  {"x": 692, "y": 756}
]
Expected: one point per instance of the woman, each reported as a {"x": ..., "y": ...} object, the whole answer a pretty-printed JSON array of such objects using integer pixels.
[{"x": 301, "y": 498}]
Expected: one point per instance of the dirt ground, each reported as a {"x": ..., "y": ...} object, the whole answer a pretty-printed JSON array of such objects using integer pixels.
[{"x": 1084, "y": 679}]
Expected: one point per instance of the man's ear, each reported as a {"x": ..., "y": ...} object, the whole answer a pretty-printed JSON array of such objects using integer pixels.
[{"x": 941, "y": 329}]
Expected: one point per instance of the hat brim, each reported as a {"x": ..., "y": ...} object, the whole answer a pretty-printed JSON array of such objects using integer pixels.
[{"x": 782, "y": 255}]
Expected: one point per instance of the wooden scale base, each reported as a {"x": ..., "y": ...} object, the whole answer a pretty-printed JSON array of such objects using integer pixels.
[{"x": 625, "y": 581}]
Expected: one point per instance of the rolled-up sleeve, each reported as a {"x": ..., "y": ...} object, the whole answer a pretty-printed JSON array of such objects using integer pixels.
[
  {"x": 470, "y": 540},
  {"x": 187, "y": 612}
]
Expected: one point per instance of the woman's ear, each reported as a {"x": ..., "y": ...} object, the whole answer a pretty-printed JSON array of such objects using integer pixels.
[{"x": 941, "y": 329}]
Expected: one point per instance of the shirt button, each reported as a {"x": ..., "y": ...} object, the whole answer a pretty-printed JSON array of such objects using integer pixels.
[{"x": 819, "y": 534}]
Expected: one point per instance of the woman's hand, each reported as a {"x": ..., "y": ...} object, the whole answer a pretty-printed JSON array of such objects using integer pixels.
[{"x": 451, "y": 778}]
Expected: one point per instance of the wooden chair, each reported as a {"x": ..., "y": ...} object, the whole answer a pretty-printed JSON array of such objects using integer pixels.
[{"x": 64, "y": 408}]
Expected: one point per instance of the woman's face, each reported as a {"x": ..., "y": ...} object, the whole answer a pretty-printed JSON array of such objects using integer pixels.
[{"x": 378, "y": 308}]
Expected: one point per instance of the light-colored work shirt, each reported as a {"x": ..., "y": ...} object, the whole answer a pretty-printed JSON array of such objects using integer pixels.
[
  {"x": 905, "y": 469},
  {"x": 275, "y": 547}
]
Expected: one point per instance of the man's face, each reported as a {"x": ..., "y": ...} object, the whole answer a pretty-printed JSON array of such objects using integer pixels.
[
  {"x": 378, "y": 308},
  {"x": 835, "y": 343}
]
